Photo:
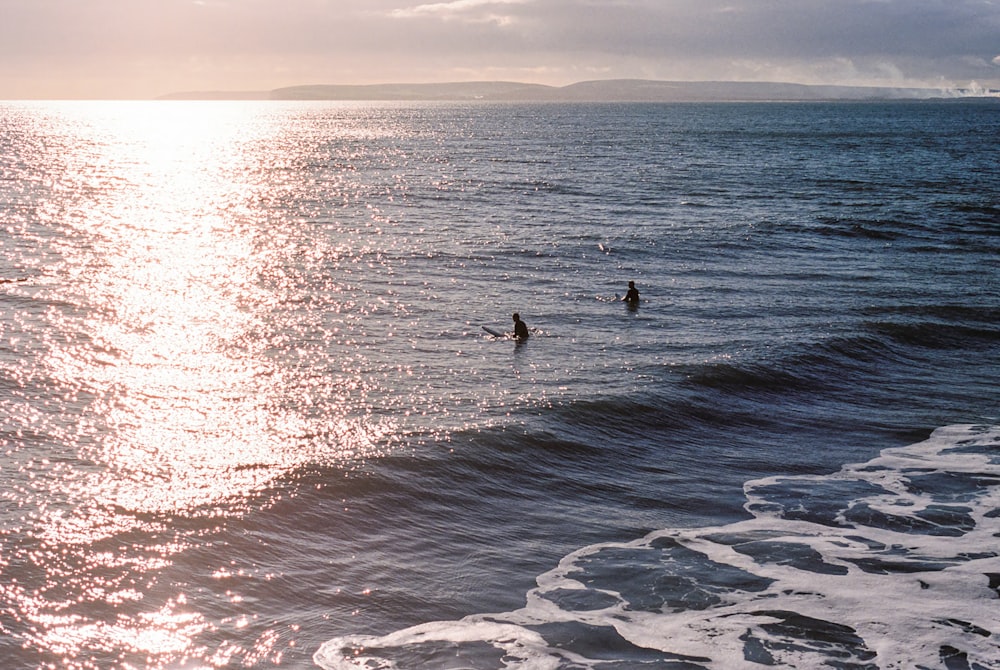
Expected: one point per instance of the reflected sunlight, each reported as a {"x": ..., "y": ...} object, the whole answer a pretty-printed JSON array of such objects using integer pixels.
[
  {"x": 172, "y": 290},
  {"x": 187, "y": 338},
  {"x": 180, "y": 314}
]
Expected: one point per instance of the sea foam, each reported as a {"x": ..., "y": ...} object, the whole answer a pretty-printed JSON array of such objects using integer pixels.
[{"x": 885, "y": 564}]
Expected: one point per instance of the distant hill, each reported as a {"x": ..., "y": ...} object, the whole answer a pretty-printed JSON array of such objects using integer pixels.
[{"x": 611, "y": 90}]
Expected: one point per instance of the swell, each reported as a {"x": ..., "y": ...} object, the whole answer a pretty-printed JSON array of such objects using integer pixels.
[
  {"x": 747, "y": 415},
  {"x": 893, "y": 348},
  {"x": 952, "y": 224},
  {"x": 942, "y": 327},
  {"x": 746, "y": 418}
]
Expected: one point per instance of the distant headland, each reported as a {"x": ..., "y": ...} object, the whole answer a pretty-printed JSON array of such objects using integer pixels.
[{"x": 613, "y": 90}]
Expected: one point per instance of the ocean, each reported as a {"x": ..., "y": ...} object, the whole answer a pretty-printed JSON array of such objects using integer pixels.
[{"x": 249, "y": 416}]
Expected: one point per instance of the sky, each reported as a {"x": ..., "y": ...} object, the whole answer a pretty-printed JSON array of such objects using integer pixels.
[{"x": 147, "y": 48}]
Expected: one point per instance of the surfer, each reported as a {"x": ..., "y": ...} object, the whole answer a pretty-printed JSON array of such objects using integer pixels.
[
  {"x": 520, "y": 328},
  {"x": 632, "y": 297}
]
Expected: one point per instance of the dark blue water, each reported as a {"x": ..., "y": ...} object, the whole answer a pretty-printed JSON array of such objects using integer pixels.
[{"x": 250, "y": 416}]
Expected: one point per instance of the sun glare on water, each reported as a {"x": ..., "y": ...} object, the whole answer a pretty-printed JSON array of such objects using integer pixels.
[
  {"x": 176, "y": 308},
  {"x": 168, "y": 341}
]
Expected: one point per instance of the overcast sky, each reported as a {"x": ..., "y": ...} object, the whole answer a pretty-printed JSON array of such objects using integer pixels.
[{"x": 145, "y": 48}]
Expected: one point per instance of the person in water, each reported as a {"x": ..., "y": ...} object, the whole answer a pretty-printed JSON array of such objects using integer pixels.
[
  {"x": 632, "y": 297},
  {"x": 520, "y": 328}
]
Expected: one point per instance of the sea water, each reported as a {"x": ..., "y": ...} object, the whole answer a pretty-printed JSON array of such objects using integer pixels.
[{"x": 249, "y": 416}]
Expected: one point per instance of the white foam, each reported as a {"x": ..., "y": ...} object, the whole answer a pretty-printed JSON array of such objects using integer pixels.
[
  {"x": 883, "y": 564},
  {"x": 519, "y": 646}
]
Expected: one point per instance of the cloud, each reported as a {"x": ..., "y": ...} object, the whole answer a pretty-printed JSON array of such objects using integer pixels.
[
  {"x": 475, "y": 11},
  {"x": 148, "y": 45}
]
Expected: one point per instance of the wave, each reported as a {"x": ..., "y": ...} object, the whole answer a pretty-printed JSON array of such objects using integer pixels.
[
  {"x": 688, "y": 408},
  {"x": 883, "y": 564},
  {"x": 968, "y": 225},
  {"x": 936, "y": 335}
]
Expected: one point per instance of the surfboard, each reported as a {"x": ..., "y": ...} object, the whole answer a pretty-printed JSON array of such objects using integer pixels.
[{"x": 494, "y": 333}]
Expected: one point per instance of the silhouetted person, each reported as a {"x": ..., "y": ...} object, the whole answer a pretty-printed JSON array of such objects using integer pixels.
[
  {"x": 520, "y": 328},
  {"x": 632, "y": 297}
]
